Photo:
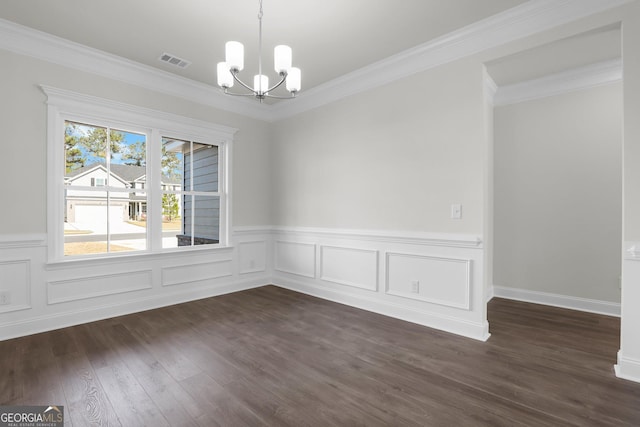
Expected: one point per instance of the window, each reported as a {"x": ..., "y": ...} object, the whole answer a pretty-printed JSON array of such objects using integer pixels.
[
  {"x": 125, "y": 180},
  {"x": 190, "y": 191}
]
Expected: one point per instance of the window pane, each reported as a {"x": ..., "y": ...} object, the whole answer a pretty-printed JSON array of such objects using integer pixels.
[
  {"x": 197, "y": 224},
  {"x": 131, "y": 148},
  {"x": 106, "y": 217},
  {"x": 103, "y": 221},
  {"x": 131, "y": 233},
  {"x": 172, "y": 163},
  {"x": 128, "y": 160},
  {"x": 85, "y": 146},
  {"x": 205, "y": 168},
  {"x": 85, "y": 222},
  {"x": 172, "y": 212},
  {"x": 201, "y": 219}
]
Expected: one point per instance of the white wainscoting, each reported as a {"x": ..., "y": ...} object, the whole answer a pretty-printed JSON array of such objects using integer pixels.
[
  {"x": 360, "y": 268},
  {"x": 295, "y": 258},
  {"x": 252, "y": 257},
  {"x": 349, "y": 266},
  {"x": 16, "y": 284},
  {"x": 61, "y": 291},
  {"x": 563, "y": 301},
  {"x": 185, "y": 274},
  {"x": 50, "y": 296},
  {"x": 438, "y": 280},
  {"x": 628, "y": 366},
  {"x": 352, "y": 264}
]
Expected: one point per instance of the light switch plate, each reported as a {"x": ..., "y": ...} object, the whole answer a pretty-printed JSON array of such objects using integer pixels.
[{"x": 456, "y": 211}]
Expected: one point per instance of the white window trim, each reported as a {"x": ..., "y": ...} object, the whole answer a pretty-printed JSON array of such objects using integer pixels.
[{"x": 67, "y": 105}]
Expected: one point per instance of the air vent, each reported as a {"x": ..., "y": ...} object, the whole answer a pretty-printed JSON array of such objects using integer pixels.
[{"x": 174, "y": 60}]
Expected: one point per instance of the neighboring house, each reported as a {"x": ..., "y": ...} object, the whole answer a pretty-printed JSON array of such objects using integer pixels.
[{"x": 89, "y": 205}]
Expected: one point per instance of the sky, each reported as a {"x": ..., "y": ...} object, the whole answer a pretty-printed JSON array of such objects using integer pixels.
[{"x": 129, "y": 139}]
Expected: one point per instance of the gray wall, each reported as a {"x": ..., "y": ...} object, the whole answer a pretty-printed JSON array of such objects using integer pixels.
[
  {"x": 395, "y": 158},
  {"x": 558, "y": 194}
]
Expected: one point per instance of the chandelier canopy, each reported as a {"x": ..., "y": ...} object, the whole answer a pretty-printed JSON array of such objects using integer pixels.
[{"x": 234, "y": 63}]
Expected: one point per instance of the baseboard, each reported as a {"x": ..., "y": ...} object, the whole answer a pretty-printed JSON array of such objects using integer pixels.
[
  {"x": 555, "y": 300},
  {"x": 489, "y": 294},
  {"x": 477, "y": 331},
  {"x": 627, "y": 368},
  {"x": 54, "y": 321}
]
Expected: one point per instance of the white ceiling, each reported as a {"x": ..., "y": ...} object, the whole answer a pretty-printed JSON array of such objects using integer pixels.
[{"x": 329, "y": 38}]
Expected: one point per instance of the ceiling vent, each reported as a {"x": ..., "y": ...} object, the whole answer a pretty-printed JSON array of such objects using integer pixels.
[{"x": 174, "y": 60}]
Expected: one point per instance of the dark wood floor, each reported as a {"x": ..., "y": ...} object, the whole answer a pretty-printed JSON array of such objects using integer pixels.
[{"x": 273, "y": 357}]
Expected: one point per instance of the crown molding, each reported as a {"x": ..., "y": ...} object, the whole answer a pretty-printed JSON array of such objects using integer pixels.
[
  {"x": 40, "y": 45},
  {"x": 521, "y": 21},
  {"x": 593, "y": 75},
  {"x": 532, "y": 17}
]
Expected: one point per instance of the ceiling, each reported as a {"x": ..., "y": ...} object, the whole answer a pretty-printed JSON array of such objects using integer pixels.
[{"x": 329, "y": 38}]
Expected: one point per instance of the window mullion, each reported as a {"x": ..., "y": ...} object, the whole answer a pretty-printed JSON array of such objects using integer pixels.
[
  {"x": 192, "y": 232},
  {"x": 154, "y": 194},
  {"x": 108, "y": 165}
]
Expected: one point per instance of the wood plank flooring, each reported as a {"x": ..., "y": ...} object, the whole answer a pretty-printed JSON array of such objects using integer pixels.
[{"x": 272, "y": 357}]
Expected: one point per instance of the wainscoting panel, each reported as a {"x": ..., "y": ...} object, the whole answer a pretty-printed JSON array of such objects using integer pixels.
[
  {"x": 15, "y": 285},
  {"x": 349, "y": 266},
  {"x": 198, "y": 272},
  {"x": 295, "y": 258},
  {"x": 252, "y": 257},
  {"x": 97, "y": 286},
  {"x": 446, "y": 270},
  {"x": 437, "y": 280}
]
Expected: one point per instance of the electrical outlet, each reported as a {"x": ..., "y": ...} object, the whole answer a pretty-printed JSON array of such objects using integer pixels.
[
  {"x": 415, "y": 286},
  {"x": 5, "y": 298}
]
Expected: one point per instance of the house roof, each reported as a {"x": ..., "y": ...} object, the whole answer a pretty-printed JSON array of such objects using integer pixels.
[{"x": 126, "y": 173}]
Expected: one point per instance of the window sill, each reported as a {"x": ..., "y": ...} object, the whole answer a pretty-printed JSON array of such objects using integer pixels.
[{"x": 136, "y": 258}]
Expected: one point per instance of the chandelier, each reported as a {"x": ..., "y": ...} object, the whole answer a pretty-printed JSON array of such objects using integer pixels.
[{"x": 234, "y": 63}]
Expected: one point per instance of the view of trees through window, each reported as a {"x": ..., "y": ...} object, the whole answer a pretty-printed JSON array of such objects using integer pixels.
[{"x": 107, "y": 187}]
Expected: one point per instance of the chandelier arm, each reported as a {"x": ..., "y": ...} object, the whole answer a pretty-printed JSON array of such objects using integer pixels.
[
  {"x": 239, "y": 94},
  {"x": 277, "y": 85},
  {"x": 293, "y": 95},
  {"x": 235, "y": 77}
]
